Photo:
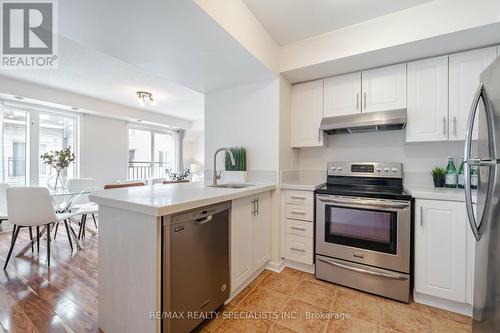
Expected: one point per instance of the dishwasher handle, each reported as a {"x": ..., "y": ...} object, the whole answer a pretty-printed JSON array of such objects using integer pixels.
[{"x": 204, "y": 219}]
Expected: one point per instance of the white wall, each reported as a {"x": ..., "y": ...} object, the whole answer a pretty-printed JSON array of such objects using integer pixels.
[
  {"x": 103, "y": 149},
  {"x": 194, "y": 147},
  {"x": 244, "y": 116},
  {"x": 380, "y": 146}
]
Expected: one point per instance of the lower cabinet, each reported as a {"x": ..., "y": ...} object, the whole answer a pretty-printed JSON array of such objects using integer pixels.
[
  {"x": 250, "y": 236},
  {"x": 444, "y": 251}
]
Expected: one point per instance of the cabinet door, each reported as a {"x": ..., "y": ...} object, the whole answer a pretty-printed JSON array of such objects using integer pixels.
[
  {"x": 470, "y": 261},
  {"x": 465, "y": 69},
  {"x": 307, "y": 112},
  {"x": 241, "y": 241},
  {"x": 440, "y": 249},
  {"x": 342, "y": 95},
  {"x": 427, "y": 100},
  {"x": 261, "y": 231},
  {"x": 384, "y": 88}
]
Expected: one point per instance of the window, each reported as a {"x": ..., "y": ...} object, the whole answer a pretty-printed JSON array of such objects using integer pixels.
[
  {"x": 151, "y": 153},
  {"x": 27, "y": 131}
]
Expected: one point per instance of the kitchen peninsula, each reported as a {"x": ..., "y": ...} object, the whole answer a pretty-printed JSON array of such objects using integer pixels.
[{"x": 132, "y": 248}]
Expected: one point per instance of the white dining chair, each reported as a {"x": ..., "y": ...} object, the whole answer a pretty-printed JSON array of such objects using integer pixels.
[
  {"x": 3, "y": 202},
  {"x": 82, "y": 205},
  {"x": 40, "y": 212}
]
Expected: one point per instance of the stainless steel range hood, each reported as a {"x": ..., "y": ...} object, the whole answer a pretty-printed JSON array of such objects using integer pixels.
[{"x": 365, "y": 122}]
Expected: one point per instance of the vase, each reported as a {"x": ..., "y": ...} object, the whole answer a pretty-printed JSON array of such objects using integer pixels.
[
  {"x": 439, "y": 182},
  {"x": 58, "y": 182}
]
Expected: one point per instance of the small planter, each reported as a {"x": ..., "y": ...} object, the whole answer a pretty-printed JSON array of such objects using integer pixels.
[
  {"x": 439, "y": 182},
  {"x": 235, "y": 176}
]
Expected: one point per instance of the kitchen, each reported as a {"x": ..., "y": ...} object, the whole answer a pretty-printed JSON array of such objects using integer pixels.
[{"x": 335, "y": 212}]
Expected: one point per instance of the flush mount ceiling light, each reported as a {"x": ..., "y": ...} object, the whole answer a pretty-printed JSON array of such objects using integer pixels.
[{"x": 144, "y": 97}]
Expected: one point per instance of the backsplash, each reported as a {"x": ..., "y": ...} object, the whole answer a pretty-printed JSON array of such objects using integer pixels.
[{"x": 417, "y": 158}]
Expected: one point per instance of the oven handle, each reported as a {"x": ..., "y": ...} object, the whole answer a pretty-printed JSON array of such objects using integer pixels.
[
  {"x": 366, "y": 203},
  {"x": 363, "y": 271}
]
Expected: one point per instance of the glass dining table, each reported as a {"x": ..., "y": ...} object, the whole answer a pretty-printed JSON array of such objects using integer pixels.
[{"x": 64, "y": 201}]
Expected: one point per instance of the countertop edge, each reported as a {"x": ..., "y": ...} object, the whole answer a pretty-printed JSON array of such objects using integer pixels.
[
  {"x": 439, "y": 194},
  {"x": 182, "y": 206},
  {"x": 301, "y": 187}
]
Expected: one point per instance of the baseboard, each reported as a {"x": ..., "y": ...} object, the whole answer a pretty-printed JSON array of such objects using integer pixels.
[
  {"x": 299, "y": 266},
  {"x": 276, "y": 266},
  {"x": 461, "y": 308}
]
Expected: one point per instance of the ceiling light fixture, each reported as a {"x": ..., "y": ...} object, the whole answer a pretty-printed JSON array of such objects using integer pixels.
[{"x": 144, "y": 97}]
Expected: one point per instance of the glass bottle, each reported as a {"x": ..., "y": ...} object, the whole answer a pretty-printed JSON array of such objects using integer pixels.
[
  {"x": 474, "y": 176},
  {"x": 451, "y": 174},
  {"x": 461, "y": 176}
]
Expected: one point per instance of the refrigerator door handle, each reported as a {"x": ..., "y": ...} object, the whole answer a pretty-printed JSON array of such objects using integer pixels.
[{"x": 469, "y": 162}]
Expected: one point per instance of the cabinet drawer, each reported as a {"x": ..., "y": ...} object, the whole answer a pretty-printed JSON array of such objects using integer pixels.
[
  {"x": 298, "y": 248},
  {"x": 299, "y": 212},
  {"x": 299, "y": 228},
  {"x": 299, "y": 197}
]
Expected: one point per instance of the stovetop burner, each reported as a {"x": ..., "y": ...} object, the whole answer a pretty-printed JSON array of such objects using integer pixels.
[{"x": 365, "y": 179}]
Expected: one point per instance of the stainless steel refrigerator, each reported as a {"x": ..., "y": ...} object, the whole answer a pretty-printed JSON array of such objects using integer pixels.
[{"x": 484, "y": 153}]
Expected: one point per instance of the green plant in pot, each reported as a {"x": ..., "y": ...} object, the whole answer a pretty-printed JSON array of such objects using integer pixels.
[
  {"x": 59, "y": 160},
  {"x": 238, "y": 171},
  {"x": 438, "y": 176}
]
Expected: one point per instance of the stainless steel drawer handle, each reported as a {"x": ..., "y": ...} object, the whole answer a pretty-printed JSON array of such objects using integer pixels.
[
  {"x": 299, "y": 197},
  {"x": 298, "y": 228},
  {"x": 298, "y": 250},
  {"x": 298, "y": 212},
  {"x": 366, "y": 203},
  {"x": 363, "y": 271}
]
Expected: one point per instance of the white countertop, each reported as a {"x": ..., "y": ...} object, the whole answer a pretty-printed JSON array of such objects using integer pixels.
[
  {"x": 432, "y": 193},
  {"x": 161, "y": 200},
  {"x": 301, "y": 185}
]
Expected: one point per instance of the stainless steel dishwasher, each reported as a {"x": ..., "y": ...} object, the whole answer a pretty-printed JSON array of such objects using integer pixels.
[{"x": 195, "y": 266}]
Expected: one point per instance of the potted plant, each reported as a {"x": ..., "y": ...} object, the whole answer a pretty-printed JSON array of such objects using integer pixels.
[
  {"x": 237, "y": 172},
  {"x": 178, "y": 177},
  {"x": 438, "y": 176},
  {"x": 59, "y": 160}
]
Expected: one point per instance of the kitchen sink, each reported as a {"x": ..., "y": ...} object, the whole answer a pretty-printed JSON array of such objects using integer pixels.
[{"x": 232, "y": 185}]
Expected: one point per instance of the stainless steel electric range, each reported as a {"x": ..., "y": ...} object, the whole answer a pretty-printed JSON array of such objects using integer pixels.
[{"x": 363, "y": 228}]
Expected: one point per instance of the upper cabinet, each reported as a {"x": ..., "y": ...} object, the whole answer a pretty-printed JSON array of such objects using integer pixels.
[
  {"x": 384, "y": 88},
  {"x": 436, "y": 92},
  {"x": 307, "y": 112},
  {"x": 465, "y": 69},
  {"x": 342, "y": 95},
  {"x": 427, "y": 109}
]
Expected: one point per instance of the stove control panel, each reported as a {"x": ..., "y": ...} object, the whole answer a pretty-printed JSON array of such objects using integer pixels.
[{"x": 366, "y": 169}]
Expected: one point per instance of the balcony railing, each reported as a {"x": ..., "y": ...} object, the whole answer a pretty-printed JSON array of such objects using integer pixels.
[{"x": 144, "y": 170}]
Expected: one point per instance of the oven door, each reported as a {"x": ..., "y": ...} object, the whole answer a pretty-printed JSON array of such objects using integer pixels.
[{"x": 371, "y": 231}]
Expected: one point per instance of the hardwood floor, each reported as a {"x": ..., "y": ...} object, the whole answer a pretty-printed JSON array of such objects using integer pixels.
[{"x": 63, "y": 298}]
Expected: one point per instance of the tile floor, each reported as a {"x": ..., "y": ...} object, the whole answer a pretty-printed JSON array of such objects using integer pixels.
[{"x": 260, "y": 306}]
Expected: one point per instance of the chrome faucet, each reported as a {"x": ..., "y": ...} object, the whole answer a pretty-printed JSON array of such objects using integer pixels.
[{"x": 216, "y": 176}]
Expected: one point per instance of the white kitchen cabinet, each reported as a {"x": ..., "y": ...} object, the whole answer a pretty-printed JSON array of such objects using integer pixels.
[
  {"x": 250, "y": 236},
  {"x": 342, "y": 95},
  {"x": 441, "y": 264},
  {"x": 261, "y": 231},
  {"x": 307, "y": 112},
  {"x": 427, "y": 109},
  {"x": 298, "y": 227},
  {"x": 384, "y": 88},
  {"x": 465, "y": 69}
]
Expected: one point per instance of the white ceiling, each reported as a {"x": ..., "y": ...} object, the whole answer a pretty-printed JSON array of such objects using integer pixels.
[
  {"x": 291, "y": 20},
  {"x": 173, "y": 39},
  {"x": 92, "y": 73}
]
